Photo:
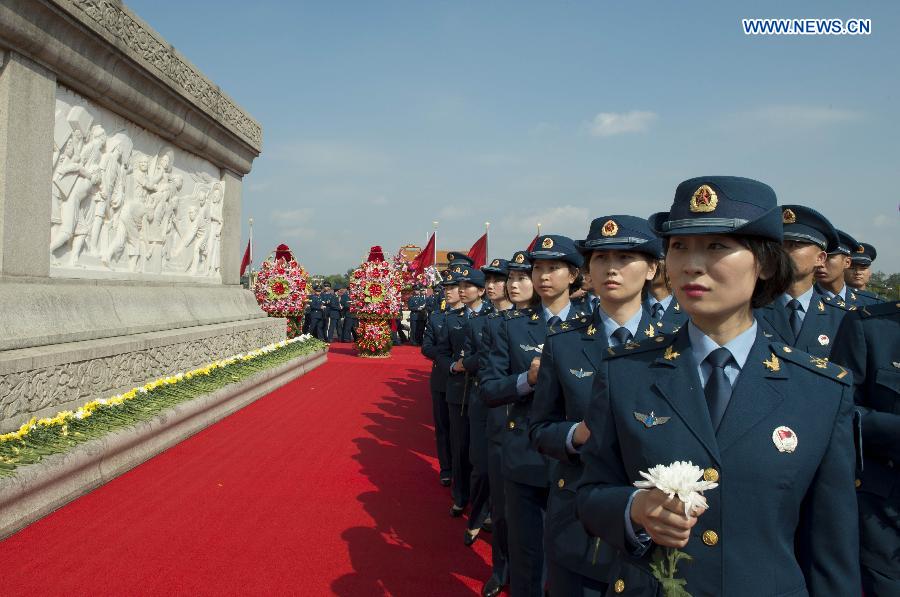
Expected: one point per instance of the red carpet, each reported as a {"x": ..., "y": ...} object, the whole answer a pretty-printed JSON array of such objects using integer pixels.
[{"x": 326, "y": 486}]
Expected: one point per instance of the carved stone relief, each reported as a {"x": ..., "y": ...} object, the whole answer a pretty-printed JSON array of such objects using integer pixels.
[
  {"x": 111, "y": 17},
  {"x": 122, "y": 200},
  {"x": 27, "y": 392}
]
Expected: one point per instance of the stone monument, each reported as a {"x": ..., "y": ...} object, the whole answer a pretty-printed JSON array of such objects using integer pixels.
[{"x": 120, "y": 207}]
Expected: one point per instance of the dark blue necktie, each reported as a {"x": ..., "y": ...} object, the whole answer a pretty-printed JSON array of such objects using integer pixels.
[
  {"x": 718, "y": 388},
  {"x": 795, "y": 319},
  {"x": 621, "y": 336},
  {"x": 594, "y": 302},
  {"x": 656, "y": 312},
  {"x": 553, "y": 321}
]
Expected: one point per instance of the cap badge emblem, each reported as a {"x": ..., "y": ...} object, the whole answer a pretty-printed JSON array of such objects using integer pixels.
[
  {"x": 784, "y": 439},
  {"x": 704, "y": 200},
  {"x": 495, "y": 263},
  {"x": 610, "y": 228},
  {"x": 457, "y": 269},
  {"x": 860, "y": 249},
  {"x": 519, "y": 258},
  {"x": 788, "y": 217},
  {"x": 547, "y": 243},
  {"x": 465, "y": 272}
]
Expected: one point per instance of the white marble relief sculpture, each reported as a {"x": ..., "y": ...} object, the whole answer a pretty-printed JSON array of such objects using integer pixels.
[{"x": 124, "y": 201}]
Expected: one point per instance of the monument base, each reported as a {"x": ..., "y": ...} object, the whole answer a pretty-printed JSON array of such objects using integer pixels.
[{"x": 65, "y": 343}]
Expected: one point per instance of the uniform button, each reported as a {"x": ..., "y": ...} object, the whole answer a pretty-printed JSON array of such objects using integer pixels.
[
  {"x": 711, "y": 475},
  {"x": 710, "y": 538},
  {"x": 512, "y": 424},
  {"x": 561, "y": 483},
  {"x": 619, "y": 586},
  {"x": 857, "y": 483}
]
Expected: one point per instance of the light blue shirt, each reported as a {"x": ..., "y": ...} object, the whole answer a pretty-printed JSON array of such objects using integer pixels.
[
  {"x": 701, "y": 345},
  {"x": 610, "y": 325},
  {"x": 652, "y": 300},
  {"x": 739, "y": 347},
  {"x": 804, "y": 300},
  {"x": 522, "y": 385},
  {"x": 842, "y": 294}
]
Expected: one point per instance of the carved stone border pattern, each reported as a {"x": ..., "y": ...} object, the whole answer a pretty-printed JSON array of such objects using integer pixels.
[
  {"x": 131, "y": 32},
  {"x": 30, "y": 391}
]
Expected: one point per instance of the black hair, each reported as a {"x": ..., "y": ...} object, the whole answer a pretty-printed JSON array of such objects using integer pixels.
[{"x": 774, "y": 261}]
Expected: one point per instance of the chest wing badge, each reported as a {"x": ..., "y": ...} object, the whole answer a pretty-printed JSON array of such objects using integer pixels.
[
  {"x": 581, "y": 373},
  {"x": 529, "y": 347},
  {"x": 650, "y": 420}
]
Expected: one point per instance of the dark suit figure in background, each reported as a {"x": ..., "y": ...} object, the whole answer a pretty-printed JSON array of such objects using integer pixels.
[
  {"x": 316, "y": 314},
  {"x": 868, "y": 344},
  {"x": 418, "y": 314},
  {"x": 332, "y": 305}
]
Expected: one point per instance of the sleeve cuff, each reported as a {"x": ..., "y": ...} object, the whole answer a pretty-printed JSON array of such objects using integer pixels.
[
  {"x": 639, "y": 542},
  {"x": 523, "y": 388},
  {"x": 570, "y": 446}
]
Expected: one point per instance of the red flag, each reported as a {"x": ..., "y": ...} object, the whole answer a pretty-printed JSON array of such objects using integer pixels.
[
  {"x": 425, "y": 258},
  {"x": 533, "y": 242},
  {"x": 246, "y": 260},
  {"x": 478, "y": 252}
]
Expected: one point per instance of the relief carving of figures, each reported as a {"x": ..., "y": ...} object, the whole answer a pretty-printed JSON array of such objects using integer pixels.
[{"x": 126, "y": 201}]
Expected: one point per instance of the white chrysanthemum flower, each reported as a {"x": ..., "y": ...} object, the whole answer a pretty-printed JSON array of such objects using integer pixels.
[
  {"x": 683, "y": 479},
  {"x": 102, "y": 401}
]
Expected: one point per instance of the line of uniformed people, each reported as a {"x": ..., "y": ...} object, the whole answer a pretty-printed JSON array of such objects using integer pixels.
[
  {"x": 580, "y": 368},
  {"x": 327, "y": 315}
]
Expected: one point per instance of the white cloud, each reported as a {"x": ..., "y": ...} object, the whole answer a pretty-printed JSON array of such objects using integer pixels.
[
  {"x": 568, "y": 220},
  {"x": 607, "y": 124},
  {"x": 800, "y": 116}
]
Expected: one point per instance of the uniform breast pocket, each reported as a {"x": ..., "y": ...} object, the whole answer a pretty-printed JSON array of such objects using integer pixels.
[{"x": 887, "y": 390}]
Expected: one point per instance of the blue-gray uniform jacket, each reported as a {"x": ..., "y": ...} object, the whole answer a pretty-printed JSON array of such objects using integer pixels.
[
  {"x": 429, "y": 349},
  {"x": 496, "y": 417},
  {"x": 572, "y": 355},
  {"x": 868, "y": 344},
  {"x": 781, "y": 520},
  {"x": 315, "y": 307},
  {"x": 332, "y": 304},
  {"x": 864, "y": 297},
  {"x": 345, "y": 304},
  {"x": 820, "y": 323},
  {"x": 417, "y": 310},
  {"x": 519, "y": 339},
  {"x": 451, "y": 346}
]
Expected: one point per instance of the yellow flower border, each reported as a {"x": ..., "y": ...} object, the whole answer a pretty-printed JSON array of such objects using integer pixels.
[{"x": 63, "y": 418}]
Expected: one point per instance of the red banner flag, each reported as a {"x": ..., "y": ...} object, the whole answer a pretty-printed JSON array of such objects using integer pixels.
[
  {"x": 246, "y": 260},
  {"x": 425, "y": 258},
  {"x": 478, "y": 252},
  {"x": 533, "y": 242}
]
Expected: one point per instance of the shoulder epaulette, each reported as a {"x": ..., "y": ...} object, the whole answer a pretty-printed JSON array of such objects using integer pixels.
[
  {"x": 818, "y": 365},
  {"x": 837, "y": 302},
  {"x": 514, "y": 313},
  {"x": 569, "y": 325},
  {"x": 879, "y": 309},
  {"x": 656, "y": 343}
]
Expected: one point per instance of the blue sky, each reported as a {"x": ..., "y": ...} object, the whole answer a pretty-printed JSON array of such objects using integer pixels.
[{"x": 381, "y": 116}]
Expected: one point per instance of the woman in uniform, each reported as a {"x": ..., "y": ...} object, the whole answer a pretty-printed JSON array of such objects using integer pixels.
[
  {"x": 509, "y": 379},
  {"x": 621, "y": 256},
  {"x": 520, "y": 292},
  {"x": 769, "y": 423}
]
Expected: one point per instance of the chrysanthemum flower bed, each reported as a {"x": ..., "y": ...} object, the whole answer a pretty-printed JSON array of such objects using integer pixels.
[{"x": 41, "y": 437}]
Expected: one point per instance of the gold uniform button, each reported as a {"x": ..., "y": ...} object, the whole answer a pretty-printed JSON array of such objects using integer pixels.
[
  {"x": 512, "y": 424},
  {"x": 711, "y": 475},
  {"x": 561, "y": 483},
  {"x": 857, "y": 483},
  {"x": 710, "y": 538},
  {"x": 619, "y": 586}
]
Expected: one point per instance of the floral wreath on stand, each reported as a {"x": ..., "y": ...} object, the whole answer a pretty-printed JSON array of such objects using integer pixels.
[
  {"x": 375, "y": 299},
  {"x": 282, "y": 288}
]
